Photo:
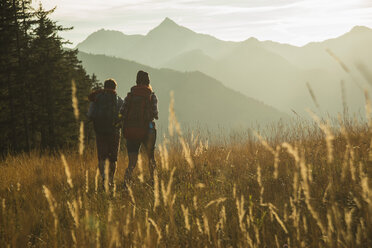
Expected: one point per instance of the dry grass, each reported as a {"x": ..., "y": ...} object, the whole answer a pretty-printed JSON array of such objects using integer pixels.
[
  {"x": 251, "y": 193},
  {"x": 307, "y": 185}
]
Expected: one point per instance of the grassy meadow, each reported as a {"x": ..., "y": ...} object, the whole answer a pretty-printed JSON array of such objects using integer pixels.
[
  {"x": 305, "y": 186},
  {"x": 299, "y": 183}
]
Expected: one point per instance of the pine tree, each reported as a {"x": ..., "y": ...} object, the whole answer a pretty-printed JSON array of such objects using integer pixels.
[
  {"x": 16, "y": 20},
  {"x": 35, "y": 81}
]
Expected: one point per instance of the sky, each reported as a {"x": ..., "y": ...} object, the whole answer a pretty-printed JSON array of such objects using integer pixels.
[{"x": 295, "y": 22}]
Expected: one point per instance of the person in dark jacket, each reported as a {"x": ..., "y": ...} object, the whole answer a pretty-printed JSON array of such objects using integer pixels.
[
  {"x": 142, "y": 88},
  {"x": 103, "y": 111}
]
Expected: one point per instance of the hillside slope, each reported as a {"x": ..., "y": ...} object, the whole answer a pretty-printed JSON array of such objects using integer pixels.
[
  {"x": 199, "y": 99},
  {"x": 271, "y": 72}
]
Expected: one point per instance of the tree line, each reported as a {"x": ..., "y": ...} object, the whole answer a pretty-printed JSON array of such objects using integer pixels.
[{"x": 36, "y": 72}]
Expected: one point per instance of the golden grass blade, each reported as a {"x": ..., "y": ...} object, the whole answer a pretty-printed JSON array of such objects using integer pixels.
[
  {"x": 368, "y": 107},
  {"x": 96, "y": 181},
  {"x": 157, "y": 229},
  {"x": 344, "y": 67},
  {"x": 75, "y": 105},
  {"x": 343, "y": 97},
  {"x": 156, "y": 190},
  {"x": 272, "y": 209},
  {"x": 106, "y": 182},
  {"x": 276, "y": 162},
  {"x": 327, "y": 131},
  {"x": 185, "y": 212},
  {"x": 86, "y": 181},
  {"x": 67, "y": 171},
  {"x": 81, "y": 139},
  {"x": 52, "y": 206},
  {"x": 171, "y": 115},
  {"x": 167, "y": 191},
  {"x": 140, "y": 167},
  {"x": 339, "y": 61},
  {"x": 216, "y": 201},
  {"x": 313, "y": 97},
  {"x": 206, "y": 226},
  {"x": 131, "y": 195},
  {"x": 74, "y": 211}
]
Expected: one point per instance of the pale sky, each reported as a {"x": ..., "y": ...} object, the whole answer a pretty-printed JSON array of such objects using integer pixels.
[{"x": 295, "y": 22}]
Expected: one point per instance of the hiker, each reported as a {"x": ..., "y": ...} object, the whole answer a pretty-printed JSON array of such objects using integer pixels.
[
  {"x": 138, "y": 112},
  {"x": 103, "y": 111}
]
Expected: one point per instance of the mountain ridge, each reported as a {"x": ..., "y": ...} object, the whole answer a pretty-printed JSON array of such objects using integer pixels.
[
  {"x": 168, "y": 22},
  {"x": 212, "y": 102},
  {"x": 272, "y": 72}
]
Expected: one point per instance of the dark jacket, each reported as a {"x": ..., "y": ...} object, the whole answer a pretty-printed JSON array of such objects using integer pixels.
[{"x": 100, "y": 125}]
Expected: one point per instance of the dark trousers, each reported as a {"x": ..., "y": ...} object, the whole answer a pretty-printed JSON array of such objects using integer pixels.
[
  {"x": 133, "y": 148},
  {"x": 108, "y": 146}
]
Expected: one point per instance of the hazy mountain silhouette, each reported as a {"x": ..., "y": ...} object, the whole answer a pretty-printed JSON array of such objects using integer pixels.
[
  {"x": 277, "y": 73},
  {"x": 250, "y": 69},
  {"x": 161, "y": 44},
  {"x": 325, "y": 73},
  {"x": 109, "y": 42},
  {"x": 199, "y": 99},
  {"x": 349, "y": 47},
  {"x": 272, "y": 72}
]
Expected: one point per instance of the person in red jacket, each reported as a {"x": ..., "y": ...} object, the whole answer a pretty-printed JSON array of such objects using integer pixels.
[{"x": 139, "y": 111}]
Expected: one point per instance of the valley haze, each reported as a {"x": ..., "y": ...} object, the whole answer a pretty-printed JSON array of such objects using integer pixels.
[{"x": 276, "y": 74}]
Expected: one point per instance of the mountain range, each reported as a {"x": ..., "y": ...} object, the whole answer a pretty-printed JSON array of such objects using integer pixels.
[
  {"x": 200, "y": 100},
  {"x": 274, "y": 73}
]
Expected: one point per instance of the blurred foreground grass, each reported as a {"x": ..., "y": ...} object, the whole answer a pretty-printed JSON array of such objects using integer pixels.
[{"x": 303, "y": 187}]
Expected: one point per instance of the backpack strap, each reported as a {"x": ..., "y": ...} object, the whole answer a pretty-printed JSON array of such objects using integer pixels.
[{"x": 129, "y": 104}]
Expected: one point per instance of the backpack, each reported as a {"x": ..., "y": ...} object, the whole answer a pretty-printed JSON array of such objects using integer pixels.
[
  {"x": 138, "y": 117},
  {"x": 105, "y": 113}
]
